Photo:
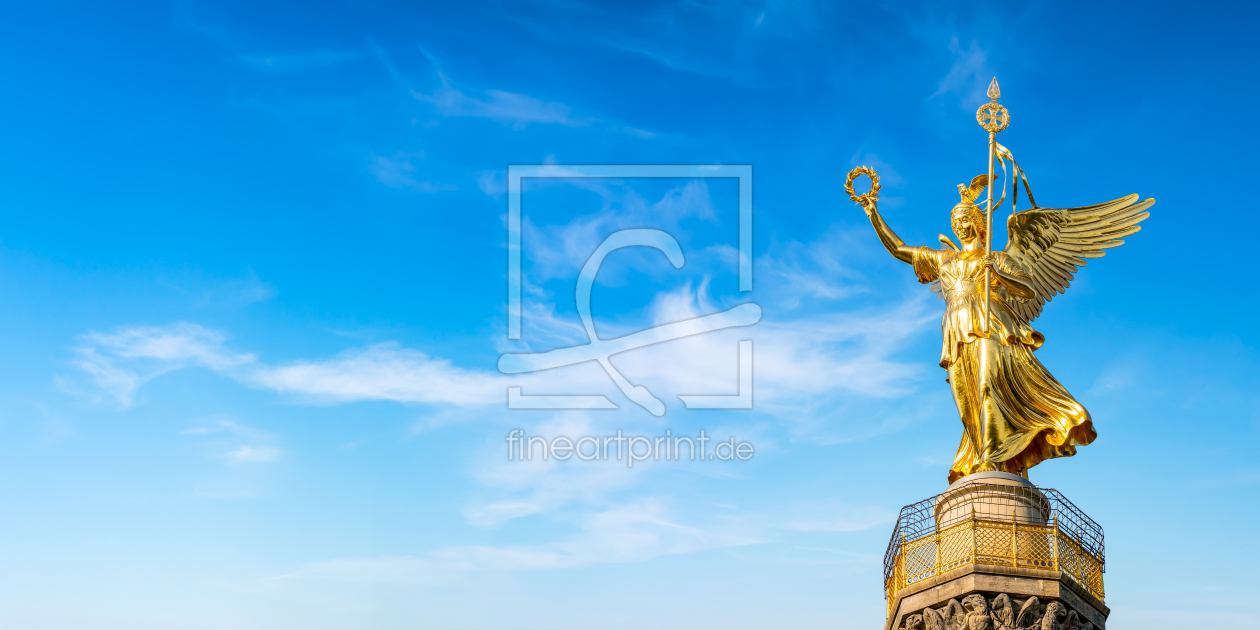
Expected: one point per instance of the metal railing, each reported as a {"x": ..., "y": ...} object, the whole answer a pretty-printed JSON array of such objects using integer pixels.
[{"x": 993, "y": 524}]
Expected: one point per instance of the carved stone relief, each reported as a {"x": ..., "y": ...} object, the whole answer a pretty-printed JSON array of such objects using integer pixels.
[{"x": 976, "y": 612}]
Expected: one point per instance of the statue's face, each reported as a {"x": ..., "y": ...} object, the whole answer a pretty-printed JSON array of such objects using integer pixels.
[{"x": 965, "y": 228}]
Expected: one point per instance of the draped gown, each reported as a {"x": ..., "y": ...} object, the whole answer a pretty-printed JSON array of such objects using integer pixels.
[{"x": 1031, "y": 417}]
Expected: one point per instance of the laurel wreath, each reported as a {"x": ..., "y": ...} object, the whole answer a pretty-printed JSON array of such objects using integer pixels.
[{"x": 874, "y": 192}]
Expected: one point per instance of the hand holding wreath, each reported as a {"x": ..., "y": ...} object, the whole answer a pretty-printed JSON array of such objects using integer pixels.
[{"x": 867, "y": 199}]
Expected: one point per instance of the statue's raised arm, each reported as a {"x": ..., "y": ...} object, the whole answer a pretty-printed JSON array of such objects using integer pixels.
[
  {"x": 867, "y": 200},
  {"x": 965, "y": 228},
  {"x": 887, "y": 236}
]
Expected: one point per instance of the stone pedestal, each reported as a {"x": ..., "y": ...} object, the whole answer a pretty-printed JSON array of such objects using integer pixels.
[{"x": 993, "y": 496}]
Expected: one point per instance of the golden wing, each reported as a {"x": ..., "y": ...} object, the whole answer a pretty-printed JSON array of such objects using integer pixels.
[
  {"x": 972, "y": 191},
  {"x": 1051, "y": 244}
]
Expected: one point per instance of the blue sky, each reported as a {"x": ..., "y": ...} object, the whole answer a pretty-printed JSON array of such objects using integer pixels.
[{"x": 253, "y": 262}]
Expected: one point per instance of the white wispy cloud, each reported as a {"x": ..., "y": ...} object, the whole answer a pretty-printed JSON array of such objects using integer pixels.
[
  {"x": 969, "y": 76},
  {"x": 830, "y": 515},
  {"x": 298, "y": 61},
  {"x": 493, "y": 183},
  {"x": 245, "y": 454},
  {"x": 720, "y": 39},
  {"x": 635, "y": 531},
  {"x": 271, "y": 61},
  {"x": 225, "y": 438},
  {"x": 629, "y": 533},
  {"x": 121, "y": 362},
  {"x": 794, "y": 271},
  {"x": 399, "y": 171},
  {"x": 225, "y": 424},
  {"x": 202, "y": 290},
  {"x": 517, "y": 110},
  {"x": 513, "y": 109},
  {"x": 643, "y": 134},
  {"x": 383, "y": 372}
]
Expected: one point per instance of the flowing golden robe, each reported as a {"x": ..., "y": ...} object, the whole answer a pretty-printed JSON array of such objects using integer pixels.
[{"x": 1031, "y": 417}]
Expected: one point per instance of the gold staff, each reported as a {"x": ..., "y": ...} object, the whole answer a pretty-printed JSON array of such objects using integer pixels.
[{"x": 994, "y": 118}]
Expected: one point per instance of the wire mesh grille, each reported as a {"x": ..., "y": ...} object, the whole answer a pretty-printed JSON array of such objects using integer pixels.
[{"x": 997, "y": 524}]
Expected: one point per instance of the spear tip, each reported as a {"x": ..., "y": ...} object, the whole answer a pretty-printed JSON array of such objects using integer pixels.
[{"x": 994, "y": 91}]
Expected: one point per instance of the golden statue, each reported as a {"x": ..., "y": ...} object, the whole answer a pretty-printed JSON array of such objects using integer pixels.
[{"x": 1014, "y": 413}]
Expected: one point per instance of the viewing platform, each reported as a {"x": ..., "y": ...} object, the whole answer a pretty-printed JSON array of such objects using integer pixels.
[{"x": 1008, "y": 549}]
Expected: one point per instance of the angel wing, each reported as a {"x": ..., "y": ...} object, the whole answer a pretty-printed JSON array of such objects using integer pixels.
[
  {"x": 972, "y": 191},
  {"x": 1051, "y": 244}
]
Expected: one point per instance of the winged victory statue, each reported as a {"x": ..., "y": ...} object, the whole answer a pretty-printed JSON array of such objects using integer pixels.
[{"x": 1014, "y": 413}]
